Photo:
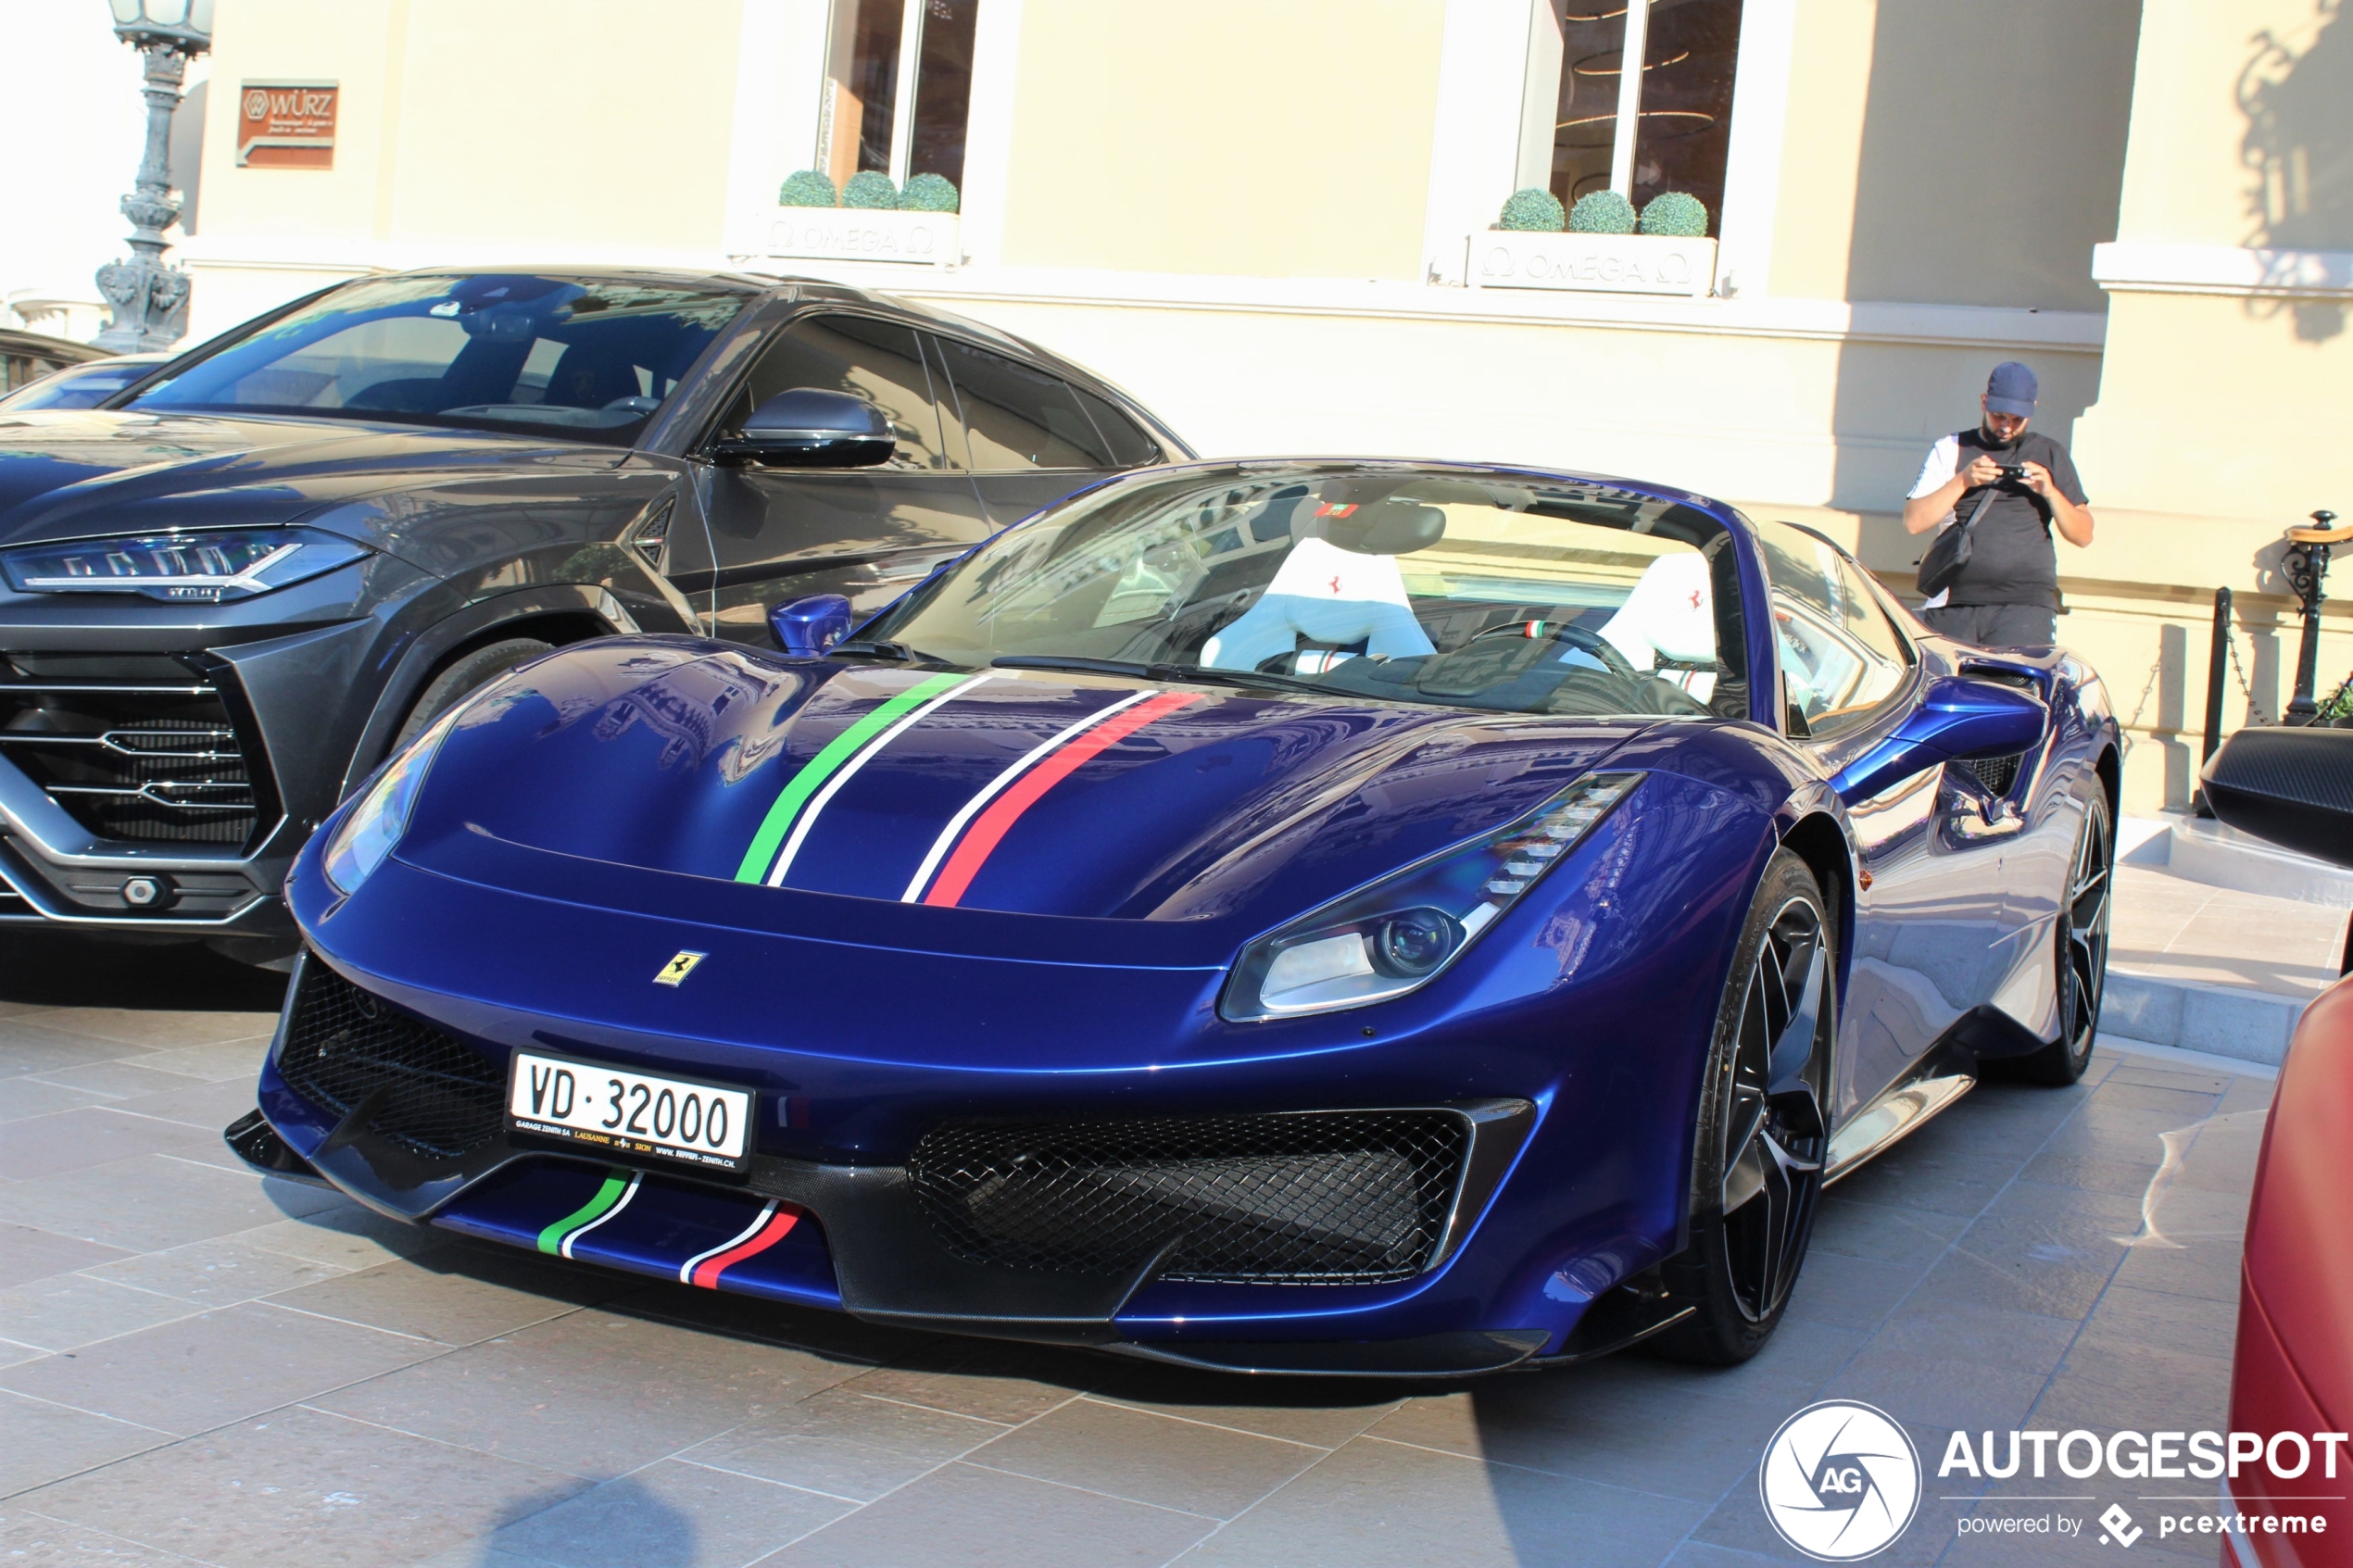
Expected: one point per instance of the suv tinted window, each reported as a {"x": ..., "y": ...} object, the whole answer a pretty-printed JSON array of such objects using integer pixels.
[
  {"x": 1020, "y": 418},
  {"x": 1130, "y": 447},
  {"x": 880, "y": 361},
  {"x": 1839, "y": 656}
]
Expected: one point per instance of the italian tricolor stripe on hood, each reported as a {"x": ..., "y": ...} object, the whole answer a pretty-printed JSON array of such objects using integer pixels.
[{"x": 974, "y": 830}]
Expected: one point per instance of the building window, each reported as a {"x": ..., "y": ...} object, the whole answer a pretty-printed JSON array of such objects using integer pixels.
[
  {"x": 899, "y": 88},
  {"x": 1640, "y": 94}
]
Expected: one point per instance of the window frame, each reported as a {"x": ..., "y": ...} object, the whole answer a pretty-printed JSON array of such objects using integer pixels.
[
  {"x": 939, "y": 339},
  {"x": 954, "y": 443},
  {"x": 905, "y": 84},
  {"x": 1855, "y": 721}
]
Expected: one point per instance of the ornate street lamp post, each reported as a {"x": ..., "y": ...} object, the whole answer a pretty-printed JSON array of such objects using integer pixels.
[
  {"x": 150, "y": 299},
  {"x": 2305, "y": 565}
]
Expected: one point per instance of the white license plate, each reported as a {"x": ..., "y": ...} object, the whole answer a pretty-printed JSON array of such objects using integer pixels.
[{"x": 623, "y": 1112}]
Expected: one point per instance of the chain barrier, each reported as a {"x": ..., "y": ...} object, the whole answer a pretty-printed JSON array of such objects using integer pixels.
[
  {"x": 2141, "y": 707},
  {"x": 2254, "y": 708}
]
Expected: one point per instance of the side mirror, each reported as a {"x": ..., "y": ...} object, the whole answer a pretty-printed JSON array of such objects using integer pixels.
[
  {"x": 806, "y": 628},
  {"x": 807, "y": 428},
  {"x": 2293, "y": 787},
  {"x": 1955, "y": 720}
]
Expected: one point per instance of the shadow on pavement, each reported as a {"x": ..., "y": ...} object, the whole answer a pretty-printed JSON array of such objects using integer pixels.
[
  {"x": 49, "y": 969},
  {"x": 621, "y": 1521}
]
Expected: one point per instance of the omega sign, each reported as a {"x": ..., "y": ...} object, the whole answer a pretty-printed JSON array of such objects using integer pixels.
[
  {"x": 286, "y": 124},
  {"x": 1604, "y": 263}
]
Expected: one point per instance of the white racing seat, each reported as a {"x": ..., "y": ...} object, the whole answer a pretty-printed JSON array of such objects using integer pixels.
[
  {"x": 1331, "y": 595},
  {"x": 1670, "y": 615}
]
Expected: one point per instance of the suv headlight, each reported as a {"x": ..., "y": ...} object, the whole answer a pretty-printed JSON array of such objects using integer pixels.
[
  {"x": 206, "y": 566},
  {"x": 375, "y": 824},
  {"x": 1404, "y": 931}
]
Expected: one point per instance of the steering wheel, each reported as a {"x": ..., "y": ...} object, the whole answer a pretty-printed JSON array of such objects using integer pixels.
[{"x": 1573, "y": 634}]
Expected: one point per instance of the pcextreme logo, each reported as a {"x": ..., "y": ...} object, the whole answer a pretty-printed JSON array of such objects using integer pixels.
[{"x": 1840, "y": 1481}]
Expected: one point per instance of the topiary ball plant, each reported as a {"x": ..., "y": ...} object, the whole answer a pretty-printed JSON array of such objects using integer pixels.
[
  {"x": 1601, "y": 212},
  {"x": 1677, "y": 214},
  {"x": 807, "y": 188},
  {"x": 869, "y": 188},
  {"x": 929, "y": 193},
  {"x": 1534, "y": 209}
]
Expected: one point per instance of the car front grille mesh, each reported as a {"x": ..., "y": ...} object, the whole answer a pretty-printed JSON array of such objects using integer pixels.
[
  {"x": 440, "y": 1097},
  {"x": 137, "y": 748},
  {"x": 1996, "y": 774},
  {"x": 1332, "y": 1197}
]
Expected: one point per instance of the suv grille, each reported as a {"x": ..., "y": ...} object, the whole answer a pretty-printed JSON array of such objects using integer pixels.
[
  {"x": 442, "y": 1097},
  {"x": 1323, "y": 1197},
  {"x": 133, "y": 746}
]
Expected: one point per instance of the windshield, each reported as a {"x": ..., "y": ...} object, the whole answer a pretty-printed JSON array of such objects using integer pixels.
[
  {"x": 1413, "y": 586},
  {"x": 79, "y": 387},
  {"x": 592, "y": 359}
]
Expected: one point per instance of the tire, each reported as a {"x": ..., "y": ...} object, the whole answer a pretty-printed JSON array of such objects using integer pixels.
[
  {"x": 2080, "y": 936},
  {"x": 1762, "y": 1131},
  {"x": 467, "y": 674}
]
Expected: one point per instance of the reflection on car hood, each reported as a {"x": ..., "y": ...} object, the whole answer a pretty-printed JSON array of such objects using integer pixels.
[
  {"x": 1009, "y": 790},
  {"x": 74, "y": 474}
]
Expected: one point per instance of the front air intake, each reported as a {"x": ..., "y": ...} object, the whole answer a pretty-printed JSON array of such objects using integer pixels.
[
  {"x": 139, "y": 748},
  {"x": 440, "y": 1097},
  {"x": 1307, "y": 1197}
]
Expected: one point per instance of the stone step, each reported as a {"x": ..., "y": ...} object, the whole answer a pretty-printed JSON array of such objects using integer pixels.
[
  {"x": 2232, "y": 1021},
  {"x": 2222, "y": 857}
]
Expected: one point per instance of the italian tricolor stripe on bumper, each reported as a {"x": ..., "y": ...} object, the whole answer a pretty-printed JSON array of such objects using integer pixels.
[
  {"x": 610, "y": 1199},
  {"x": 773, "y": 1226}
]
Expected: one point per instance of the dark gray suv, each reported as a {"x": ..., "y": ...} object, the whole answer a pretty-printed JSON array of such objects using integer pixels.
[{"x": 226, "y": 593}]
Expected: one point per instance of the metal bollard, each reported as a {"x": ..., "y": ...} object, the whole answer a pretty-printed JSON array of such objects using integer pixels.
[{"x": 2218, "y": 656}]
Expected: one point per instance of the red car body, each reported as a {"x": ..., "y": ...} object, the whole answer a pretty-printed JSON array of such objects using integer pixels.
[{"x": 2294, "y": 1368}]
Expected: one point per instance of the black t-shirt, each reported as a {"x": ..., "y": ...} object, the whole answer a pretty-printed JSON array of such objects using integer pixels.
[{"x": 2012, "y": 561}]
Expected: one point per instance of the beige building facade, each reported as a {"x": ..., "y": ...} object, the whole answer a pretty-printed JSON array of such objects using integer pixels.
[{"x": 1271, "y": 221}]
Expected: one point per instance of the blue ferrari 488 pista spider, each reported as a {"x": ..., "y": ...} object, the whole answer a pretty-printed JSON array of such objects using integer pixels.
[{"x": 1296, "y": 916}]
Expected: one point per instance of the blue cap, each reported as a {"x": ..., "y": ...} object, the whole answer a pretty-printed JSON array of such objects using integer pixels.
[{"x": 2010, "y": 389}]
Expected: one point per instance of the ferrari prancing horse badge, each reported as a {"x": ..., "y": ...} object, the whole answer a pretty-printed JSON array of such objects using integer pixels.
[{"x": 679, "y": 967}]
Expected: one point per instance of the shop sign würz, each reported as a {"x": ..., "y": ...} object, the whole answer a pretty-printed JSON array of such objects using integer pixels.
[{"x": 286, "y": 124}]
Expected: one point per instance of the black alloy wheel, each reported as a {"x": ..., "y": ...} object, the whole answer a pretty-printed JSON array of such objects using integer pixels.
[
  {"x": 2080, "y": 935},
  {"x": 1763, "y": 1131}
]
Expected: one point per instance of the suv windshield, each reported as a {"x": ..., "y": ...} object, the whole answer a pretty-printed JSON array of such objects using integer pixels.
[
  {"x": 592, "y": 359},
  {"x": 1415, "y": 585}
]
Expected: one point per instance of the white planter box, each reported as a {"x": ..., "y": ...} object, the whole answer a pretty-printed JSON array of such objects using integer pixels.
[
  {"x": 1503, "y": 258},
  {"x": 926, "y": 239}
]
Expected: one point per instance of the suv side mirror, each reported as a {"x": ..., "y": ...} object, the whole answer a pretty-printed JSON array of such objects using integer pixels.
[
  {"x": 1957, "y": 719},
  {"x": 2293, "y": 787},
  {"x": 809, "y": 427},
  {"x": 806, "y": 628}
]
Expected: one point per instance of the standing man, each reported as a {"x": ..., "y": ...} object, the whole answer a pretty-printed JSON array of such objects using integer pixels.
[{"x": 2007, "y": 594}]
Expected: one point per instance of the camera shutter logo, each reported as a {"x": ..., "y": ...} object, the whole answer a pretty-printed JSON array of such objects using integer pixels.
[{"x": 1840, "y": 1481}]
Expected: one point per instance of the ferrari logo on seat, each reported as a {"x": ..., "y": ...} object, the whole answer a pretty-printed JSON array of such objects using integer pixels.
[{"x": 681, "y": 965}]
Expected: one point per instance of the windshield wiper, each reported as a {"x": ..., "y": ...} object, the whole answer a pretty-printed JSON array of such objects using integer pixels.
[
  {"x": 1202, "y": 673},
  {"x": 1073, "y": 661},
  {"x": 876, "y": 647}
]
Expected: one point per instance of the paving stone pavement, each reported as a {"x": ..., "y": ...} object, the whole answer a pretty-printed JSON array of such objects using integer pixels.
[{"x": 201, "y": 1366}]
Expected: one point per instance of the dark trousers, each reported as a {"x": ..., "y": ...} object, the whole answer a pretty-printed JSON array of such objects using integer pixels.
[{"x": 1996, "y": 626}]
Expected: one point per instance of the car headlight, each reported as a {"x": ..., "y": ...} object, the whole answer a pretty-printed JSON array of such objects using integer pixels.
[
  {"x": 205, "y": 567},
  {"x": 1403, "y": 931},
  {"x": 375, "y": 824}
]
